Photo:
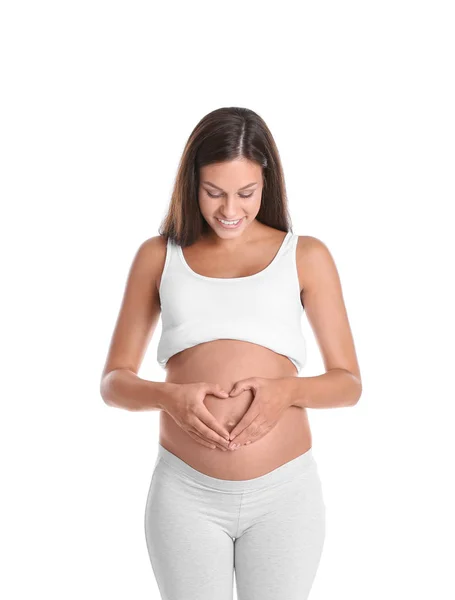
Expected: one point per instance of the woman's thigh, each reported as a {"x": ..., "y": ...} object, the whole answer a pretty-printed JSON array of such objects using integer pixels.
[
  {"x": 280, "y": 541},
  {"x": 189, "y": 532}
]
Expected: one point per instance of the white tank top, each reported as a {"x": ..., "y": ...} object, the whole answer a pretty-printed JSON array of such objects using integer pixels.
[{"x": 263, "y": 308}]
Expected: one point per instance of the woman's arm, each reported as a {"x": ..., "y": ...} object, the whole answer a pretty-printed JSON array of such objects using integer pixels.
[
  {"x": 140, "y": 310},
  {"x": 334, "y": 389},
  {"x": 322, "y": 298},
  {"x": 123, "y": 388}
]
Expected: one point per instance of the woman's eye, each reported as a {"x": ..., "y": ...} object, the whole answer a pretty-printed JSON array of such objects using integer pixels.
[{"x": 220, "y": 195}]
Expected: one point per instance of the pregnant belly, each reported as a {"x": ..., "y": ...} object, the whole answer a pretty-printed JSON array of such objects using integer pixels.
[{"x": 225, "y": 362}]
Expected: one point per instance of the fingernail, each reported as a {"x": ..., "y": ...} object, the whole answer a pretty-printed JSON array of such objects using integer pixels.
[{"x": 248, "y": 442}]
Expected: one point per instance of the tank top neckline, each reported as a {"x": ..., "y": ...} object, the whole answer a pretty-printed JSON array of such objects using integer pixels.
[{"x": 247, "y": 277}]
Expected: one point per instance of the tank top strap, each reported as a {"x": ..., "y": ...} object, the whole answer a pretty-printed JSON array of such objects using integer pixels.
[
  {"x": 170, "y": 262},
  {"x": 289, "y": 249}
]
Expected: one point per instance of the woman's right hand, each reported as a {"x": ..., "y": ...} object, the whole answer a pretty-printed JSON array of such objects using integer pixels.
[{"x": 186, "y": 406}]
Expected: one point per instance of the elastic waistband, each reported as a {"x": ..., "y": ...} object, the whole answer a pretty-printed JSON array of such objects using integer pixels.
[{"x": 290, "y": 470}]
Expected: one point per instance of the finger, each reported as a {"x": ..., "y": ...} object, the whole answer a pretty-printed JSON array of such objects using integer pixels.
[
  {"x": 248, "y": 418},
  {"x": 242, "y": 386},
  {"x": 248, "y": 435},
  {"x": 257, "y": 430},
  {"x": 201, "y": 441},
  {"x": 206, "y": 432},
  {"x": 216, "y": 390},
  {"x": 209, "y": 421},
  {"x": 195, "y": 435},
  {"x": 237, "y": 389},
  {"x": 239, "y": 443},
  {"x": 209, "y": 438}
]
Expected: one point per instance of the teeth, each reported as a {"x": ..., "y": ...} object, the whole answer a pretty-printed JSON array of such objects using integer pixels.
[{"x": 229, "y": 222}]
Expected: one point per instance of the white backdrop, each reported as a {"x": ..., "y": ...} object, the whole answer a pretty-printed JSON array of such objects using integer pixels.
[{"x": 97, "y": 101}]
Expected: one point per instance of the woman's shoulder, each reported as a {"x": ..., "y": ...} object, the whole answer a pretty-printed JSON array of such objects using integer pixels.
[
  {"x": 314, "y": 257},
  {"x": 150, "y": 256},
  {"x": 153, "y": 245},
  {"x": 310, "y": 243}
]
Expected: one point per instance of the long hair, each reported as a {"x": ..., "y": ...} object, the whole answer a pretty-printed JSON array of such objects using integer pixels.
[{"x": 225, "y": 134}]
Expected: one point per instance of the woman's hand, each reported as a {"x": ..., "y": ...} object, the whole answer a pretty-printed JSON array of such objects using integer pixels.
[
  {"x": 186, "y": 406},
  {"x": 270, "y": 400}
]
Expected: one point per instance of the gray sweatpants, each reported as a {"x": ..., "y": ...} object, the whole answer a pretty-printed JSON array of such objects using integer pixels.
[{"x": 269, "y": 530}]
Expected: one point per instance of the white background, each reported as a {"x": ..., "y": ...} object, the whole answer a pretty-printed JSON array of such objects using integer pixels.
[{"x": 97, "y": 101}]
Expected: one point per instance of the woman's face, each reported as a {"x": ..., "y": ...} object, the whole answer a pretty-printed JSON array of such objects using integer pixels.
[{"x": 230, "y": 191}]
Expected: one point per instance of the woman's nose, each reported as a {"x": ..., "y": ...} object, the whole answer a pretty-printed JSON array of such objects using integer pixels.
[{"x": 230, "y": 209}]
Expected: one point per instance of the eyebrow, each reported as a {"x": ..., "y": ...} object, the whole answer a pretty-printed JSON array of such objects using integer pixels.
[{"x": 242, "y": 188}]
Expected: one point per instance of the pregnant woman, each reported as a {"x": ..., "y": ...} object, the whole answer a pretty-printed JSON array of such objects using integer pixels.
[{"x": 235, "y": 488}]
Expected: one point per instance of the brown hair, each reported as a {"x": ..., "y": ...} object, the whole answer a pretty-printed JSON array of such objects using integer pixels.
[{"x": 225, "y": 134}]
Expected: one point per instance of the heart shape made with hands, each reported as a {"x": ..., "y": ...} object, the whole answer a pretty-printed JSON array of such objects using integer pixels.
[
  {"x": 231, "y": 422},
  {"x": 233, "y": 427}
]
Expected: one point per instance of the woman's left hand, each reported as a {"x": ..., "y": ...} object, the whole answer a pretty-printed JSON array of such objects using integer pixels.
[{"x": 270, "y": 400}]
